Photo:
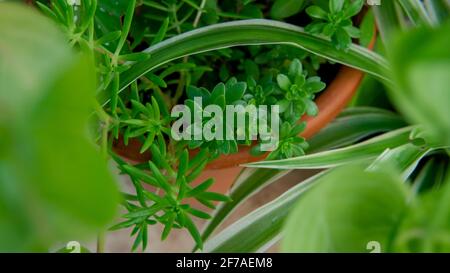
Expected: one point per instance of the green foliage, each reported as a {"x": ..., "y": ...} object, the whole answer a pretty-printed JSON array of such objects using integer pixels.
[
  {"x": 260, "y": 93},
  {"x": 290, "y": 144},
  {"x": 52, "y": 177},
  {"x": 324, "y": 221},
  {"x": 359, "y": 123},
  {"x": 255, "y": 231},
  {"x": 137, "y": 88},
  {"x": 286, "y": 8},
  {"x": 335, "y": 22},
  {"x": 425, "y": 227},
  {"x": 421, "y": 92},
  {"x": 299, "y": 92},
  {"x": 230, "y": 93},
  {"x": 147, "y": 122},
  {"x": 169, "y": 207},
  {"x": 377, "y": 208}
]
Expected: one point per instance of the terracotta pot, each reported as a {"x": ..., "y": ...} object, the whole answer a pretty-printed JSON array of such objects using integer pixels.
[{"x": 226, "y": 168}]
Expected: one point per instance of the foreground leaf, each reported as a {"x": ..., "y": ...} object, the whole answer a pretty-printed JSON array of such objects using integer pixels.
[
  {"x": 52, "y": 178},
  {"x": 345, "y": 211},
  {"x": 422, "y": 79}
]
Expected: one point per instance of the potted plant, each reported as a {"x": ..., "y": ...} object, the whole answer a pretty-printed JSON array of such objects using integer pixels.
[
  {"x": 138, "y": 88},
  {"x": 152, "y": 58},
  {"x": 327, "y": 106}
]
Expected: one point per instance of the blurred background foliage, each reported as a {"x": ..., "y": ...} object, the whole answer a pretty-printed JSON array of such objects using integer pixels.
[{"x": 54, "y": 183}]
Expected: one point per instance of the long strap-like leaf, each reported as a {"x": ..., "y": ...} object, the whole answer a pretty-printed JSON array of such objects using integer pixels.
[
  {"x": 416, "y": 12},
  {"x": 333, "y": 158},
  {"x": 251, "y": 32}
]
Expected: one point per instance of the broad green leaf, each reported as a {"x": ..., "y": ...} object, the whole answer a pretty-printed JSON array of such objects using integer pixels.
[
  {"x": 371, "y": 92},
  {"x": 336, "y": 5},
  {"x": 367, "y": 29},
  {"x": 251, "y": 32},
  {"x": 52, "y": 177},
  {"x": 422, "y": 79},
  {"x": 108, "y": 38},
  {"x": 333, "y": 158},
  {"x": 286, "y": 8},
  {"x": 235, "y": 92},
  {"x": 20, "y": 82},
  {"x": 345, "y": 211},
  {"x": 257, "y": 230},
  {"x": 134, "y": 57},
  {"x": 317, "y": 12},
  {"x": 284, "y": 82}
]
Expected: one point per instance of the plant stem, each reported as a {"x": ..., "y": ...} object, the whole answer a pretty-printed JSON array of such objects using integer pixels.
[
  {"x": 199, "y": 14},
  {"x": 101, "y": 242},
  {"x": 105, "y": 121}
]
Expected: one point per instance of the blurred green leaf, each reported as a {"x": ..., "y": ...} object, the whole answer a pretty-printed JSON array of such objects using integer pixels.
[
  {"x": 416, "y": 12},
  {"x": 367, "y": 29},
  {"x": 286, "y": 8},
  {"x": 388, "y": 20},
  {"x": 347, "y": 209},
  {"x": 421, "y": 65},
  {"x": 52, "y": 177},
  {"x": 425, "y": 229}
]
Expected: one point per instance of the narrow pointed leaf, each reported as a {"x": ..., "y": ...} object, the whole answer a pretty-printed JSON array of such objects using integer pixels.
[{"x": 328, "y": 159}]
